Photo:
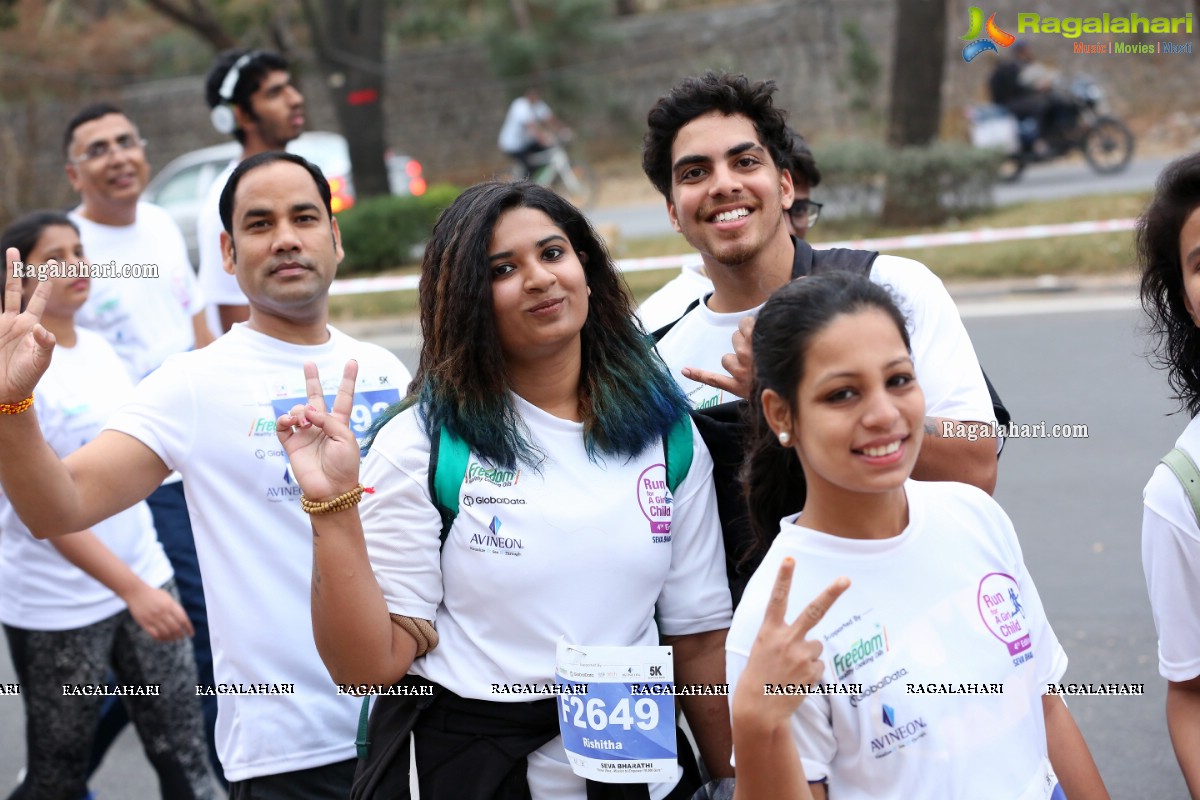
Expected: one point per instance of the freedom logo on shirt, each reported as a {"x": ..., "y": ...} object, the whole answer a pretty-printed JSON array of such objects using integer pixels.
[
  {"x": 862, "y": 651},
  {"x": 496, "y": 476},
  {"x": 655, "y": 500}
]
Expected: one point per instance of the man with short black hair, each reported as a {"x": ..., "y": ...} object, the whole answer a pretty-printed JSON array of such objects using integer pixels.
[
  {"x": 717, "y": 149},
  {"x": 252, "y": 98},
  {"x": 284, "y": 732},
  {"x": 147, "y": 318},
  {"x": 671, "y": 301}
]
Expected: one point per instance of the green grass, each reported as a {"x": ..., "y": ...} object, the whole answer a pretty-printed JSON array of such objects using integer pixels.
[{"x": 1095, "y": 254}]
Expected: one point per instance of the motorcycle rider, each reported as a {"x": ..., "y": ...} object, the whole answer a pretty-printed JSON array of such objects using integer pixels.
[{"x": 1025, "y": 87}]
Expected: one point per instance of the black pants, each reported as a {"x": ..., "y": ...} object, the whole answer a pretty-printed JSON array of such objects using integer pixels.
[
  {"x": 59, "y": 727},
  {"x": 330, "y": 782},
  {"x": 174, "y": 529}
]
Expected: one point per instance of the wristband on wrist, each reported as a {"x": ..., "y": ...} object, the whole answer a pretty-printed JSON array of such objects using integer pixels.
[
  {"x": 342, "y": 502},
  {"x": 17, "y": 408}
]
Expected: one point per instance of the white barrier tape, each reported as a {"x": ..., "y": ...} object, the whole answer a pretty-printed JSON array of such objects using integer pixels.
[
  {"x": 888, "y": 244},
  {"x": 384, "y": 283},
  {"x": 987, "y": 235}
]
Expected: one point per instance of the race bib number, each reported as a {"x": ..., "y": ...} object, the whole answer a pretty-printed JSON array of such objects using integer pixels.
[
  {"x": 617, "y": 712},
  {"x": 372, "y": 395}
]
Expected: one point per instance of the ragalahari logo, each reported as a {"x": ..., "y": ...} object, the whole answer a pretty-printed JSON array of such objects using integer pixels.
[{"x": 994, "y": 37}]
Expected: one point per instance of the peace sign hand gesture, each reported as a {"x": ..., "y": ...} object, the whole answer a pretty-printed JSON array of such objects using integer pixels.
[
  {"x": 782, "y": 653},
  {"x": 320, "y": 445},
  {"x": 25, "y": 346}
]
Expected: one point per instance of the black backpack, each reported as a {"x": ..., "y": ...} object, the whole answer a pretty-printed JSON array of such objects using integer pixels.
[{"x": 723, "y": 428}]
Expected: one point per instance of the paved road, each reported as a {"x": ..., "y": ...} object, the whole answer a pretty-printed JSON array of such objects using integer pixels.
[
  {"x": 1040, "y": 182},
  {"x": 1076, "y": 504}
]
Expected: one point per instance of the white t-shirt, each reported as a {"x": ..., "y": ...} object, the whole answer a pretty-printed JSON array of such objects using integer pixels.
[
  {"x": 144, "y": 319},
  {"x": 1171, "y": 559},
  {"x": 946, "y": 366},
  {"x": 668, "y": 303},
  {"x": 948, "y": 601},
  {"x": 211, "y": 415},
  {"x": 513, "y": 134},
  {"x": 534, "y": 555},
  {"x": 39, "y": 589},
  {"x": 219, "y": 287}
]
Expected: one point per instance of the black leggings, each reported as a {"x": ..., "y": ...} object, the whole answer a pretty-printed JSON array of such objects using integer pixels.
[{"x": 60, "y": 726}]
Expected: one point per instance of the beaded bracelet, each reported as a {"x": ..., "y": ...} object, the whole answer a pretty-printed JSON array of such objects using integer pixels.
[
  {"x": 340, "y": 503},
  {"x": 16, "y": 408}
]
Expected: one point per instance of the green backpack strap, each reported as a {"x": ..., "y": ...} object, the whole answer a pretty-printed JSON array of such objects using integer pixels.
[
  {"x": 1179, "y": 462},
  {"x": 677, "y": 446},
  {"x": 361, "y": 742},
  {"x": 448, "y": 456}
]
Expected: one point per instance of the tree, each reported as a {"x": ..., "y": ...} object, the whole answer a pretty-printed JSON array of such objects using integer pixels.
[
  {"x": 918, "y": 64},
  {"x": 348, "y": 39},
  {"x": 199, "y": 18}
]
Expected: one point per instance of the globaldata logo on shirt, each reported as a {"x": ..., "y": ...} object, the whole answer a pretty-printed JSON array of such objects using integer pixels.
[
  {"x": 1000, "y": 608},
  {"x": 656, "y": 502}
]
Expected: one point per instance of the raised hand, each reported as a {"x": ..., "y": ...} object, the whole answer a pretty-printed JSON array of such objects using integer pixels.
[
  {"x": 25, "y": 346},
  {"x": 739, "y": 364},
  {"x": 781, "y": 653},
  {"x": 320, "y": 445}
]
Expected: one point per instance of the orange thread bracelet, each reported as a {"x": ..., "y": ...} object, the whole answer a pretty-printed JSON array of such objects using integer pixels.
[{"x": 16, "y": 408}]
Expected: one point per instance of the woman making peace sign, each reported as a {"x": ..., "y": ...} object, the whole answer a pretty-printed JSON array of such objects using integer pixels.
[
  {"x": 530, "y": 357},
  {"x": 935, "y": 662}
]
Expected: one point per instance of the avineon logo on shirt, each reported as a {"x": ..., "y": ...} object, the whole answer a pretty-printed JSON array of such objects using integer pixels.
[
  {"x": 900, "y": 734},
  {"x": 496, "y": 543}
]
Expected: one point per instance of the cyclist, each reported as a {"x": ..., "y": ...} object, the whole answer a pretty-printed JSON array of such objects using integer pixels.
[{"x": 530, "y": 127}]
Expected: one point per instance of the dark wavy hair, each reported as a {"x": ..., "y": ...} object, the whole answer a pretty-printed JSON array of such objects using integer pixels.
[
  {"x": 800, "y": 161},
  {"x": 786, "y": 326},
  {"x": 23, "y": 233},
  {"x": 698, "y": 95},
  {"x": 1176, "y": 336},
  {"x": 628, "y": 399}
]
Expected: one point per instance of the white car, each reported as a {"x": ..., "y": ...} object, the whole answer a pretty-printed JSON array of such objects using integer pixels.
[{"x": 182, "y": 185}]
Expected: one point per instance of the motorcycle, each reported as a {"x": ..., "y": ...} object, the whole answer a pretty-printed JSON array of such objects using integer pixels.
[{"x": 1084, "y": 124}]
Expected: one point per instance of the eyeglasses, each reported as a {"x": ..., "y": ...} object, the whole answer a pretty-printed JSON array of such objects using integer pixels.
[
  {"x": 806, "y": 210},
  {"x": 101, "y": 150}
]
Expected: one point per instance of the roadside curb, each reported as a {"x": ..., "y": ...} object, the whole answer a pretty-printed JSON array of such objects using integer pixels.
[{"x": 1042, "y": 286}]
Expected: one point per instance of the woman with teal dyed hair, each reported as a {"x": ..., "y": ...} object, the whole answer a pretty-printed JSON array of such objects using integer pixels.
[{"x": 559, "y": 521}]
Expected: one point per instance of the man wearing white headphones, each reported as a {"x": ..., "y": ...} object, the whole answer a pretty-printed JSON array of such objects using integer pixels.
[{"x": 253, "y": 99}]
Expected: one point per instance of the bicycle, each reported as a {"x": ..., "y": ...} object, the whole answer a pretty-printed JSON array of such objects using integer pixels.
[{"x": 555, "y": 169}]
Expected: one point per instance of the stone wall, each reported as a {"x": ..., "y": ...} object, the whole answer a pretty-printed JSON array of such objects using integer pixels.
[{"x": 445, "y": 109}]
